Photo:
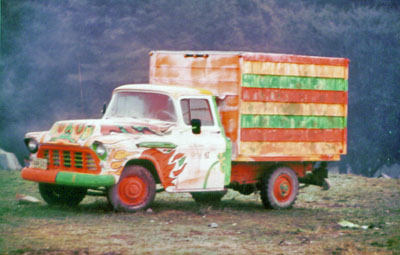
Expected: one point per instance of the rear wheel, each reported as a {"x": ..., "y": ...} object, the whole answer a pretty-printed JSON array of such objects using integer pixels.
[
  {"x": 135, "y": 190},
  {"x": 208, "y": 196},
  {"x": 279, "y": 188},
  {"x": 61, "y": 195}
]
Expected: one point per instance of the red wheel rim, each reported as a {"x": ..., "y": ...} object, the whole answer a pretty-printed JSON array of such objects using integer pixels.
[
  {"x": 283, "y": 187},
  {"x": 132, "y": 190}
]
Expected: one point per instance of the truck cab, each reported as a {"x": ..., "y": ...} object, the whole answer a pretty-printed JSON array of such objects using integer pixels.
[{"x": 149, "y": 134}]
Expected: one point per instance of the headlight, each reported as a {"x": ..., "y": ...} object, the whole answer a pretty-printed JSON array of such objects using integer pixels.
[
  {"x": 32, "y": 145},
  {"x": 100, "y": 150}
]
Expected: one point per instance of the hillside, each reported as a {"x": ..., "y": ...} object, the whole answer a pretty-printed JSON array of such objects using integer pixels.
[{"x": 357, "y": 215}]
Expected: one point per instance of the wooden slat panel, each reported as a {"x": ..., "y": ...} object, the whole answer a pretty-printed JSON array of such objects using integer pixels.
[
  {"x": 291, "y": 69},
  {"x": 282, "y": 121},
  {"x": 286, "y": 58},
  {"x": 321, "y": 157},
  {"x": 294, "y": 95},
  {"x": 292, "y": 135},
  {"x": 292, "y": 82},
  {"x": 289, "y": 148},
  {"x": 274, "y": 108}
]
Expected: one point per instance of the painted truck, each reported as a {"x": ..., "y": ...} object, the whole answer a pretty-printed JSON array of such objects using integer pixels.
[{"x": 207, "y": 122}]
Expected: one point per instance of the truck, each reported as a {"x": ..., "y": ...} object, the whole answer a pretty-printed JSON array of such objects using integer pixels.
[{"x": 206, "y": 122}]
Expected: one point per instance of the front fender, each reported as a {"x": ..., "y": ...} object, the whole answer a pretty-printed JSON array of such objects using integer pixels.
[{"x": 161, "y": 153}]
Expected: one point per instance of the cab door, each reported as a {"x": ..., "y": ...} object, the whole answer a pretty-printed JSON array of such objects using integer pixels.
[{"x": 207, "y": 149}]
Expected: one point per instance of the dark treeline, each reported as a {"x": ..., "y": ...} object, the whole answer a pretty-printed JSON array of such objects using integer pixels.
[{"x": 61, "y": 59}]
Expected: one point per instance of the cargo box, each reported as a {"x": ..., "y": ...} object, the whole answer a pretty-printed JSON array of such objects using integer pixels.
[{"x": 274, "y": 107}]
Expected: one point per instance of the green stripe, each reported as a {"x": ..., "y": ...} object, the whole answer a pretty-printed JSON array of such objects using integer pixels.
[
  {"x": 293, "y": 82},
  {"x": 84, "y": 180},
  {"x": 284, "y": 121}
]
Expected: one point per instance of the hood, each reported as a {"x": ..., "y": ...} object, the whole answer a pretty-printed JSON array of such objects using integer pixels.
[{"x": 80, "y": 131}]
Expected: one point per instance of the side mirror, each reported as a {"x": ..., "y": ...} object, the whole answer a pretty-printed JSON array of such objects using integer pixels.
[
  {"x": 196, "y": 126},
  {"x": 104, "y": 109}
]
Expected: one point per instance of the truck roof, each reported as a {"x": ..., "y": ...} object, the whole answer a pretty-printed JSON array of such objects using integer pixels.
[
  {"x": 263, "y": 57},
  {"x": 174, "y": 91}
]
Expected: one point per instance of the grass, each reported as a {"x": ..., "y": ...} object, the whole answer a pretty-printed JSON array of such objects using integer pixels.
[{"x": 177, "y": 225}]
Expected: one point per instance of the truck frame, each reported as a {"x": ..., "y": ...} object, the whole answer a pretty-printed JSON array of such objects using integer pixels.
[{"x": 207, "y": 122}]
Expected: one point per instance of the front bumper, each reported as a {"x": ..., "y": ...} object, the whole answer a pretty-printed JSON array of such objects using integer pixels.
[{"x": 67, "y": 178}]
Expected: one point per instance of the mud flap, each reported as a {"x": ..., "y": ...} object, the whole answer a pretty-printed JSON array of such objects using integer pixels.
[{"x": 319, "y": 176}]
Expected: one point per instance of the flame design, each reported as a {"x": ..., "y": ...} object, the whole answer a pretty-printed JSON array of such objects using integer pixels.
[
  {"x": 171, "y": 164},
  {"x": 119, "y": 157}
]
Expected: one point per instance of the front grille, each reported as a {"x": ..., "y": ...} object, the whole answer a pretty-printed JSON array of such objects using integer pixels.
[{"x": 70, "y": 158}]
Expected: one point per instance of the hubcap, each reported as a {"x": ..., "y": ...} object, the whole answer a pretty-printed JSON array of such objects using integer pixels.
[
  {"x": 283, "y": 188},
  {"x": 132, "y": 190}
]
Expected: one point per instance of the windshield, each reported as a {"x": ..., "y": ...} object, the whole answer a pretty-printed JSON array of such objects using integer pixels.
[{"x": 141, "y": 105}]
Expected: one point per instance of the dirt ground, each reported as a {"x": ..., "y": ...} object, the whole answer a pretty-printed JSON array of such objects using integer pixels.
[{"x": 356, "y": 216}]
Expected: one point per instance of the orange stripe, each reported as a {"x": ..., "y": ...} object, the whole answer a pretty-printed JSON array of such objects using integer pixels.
[
  {"x": 294, "y": 95},
  {"x": 292, "y": 135},
  {"x": 38, "y": 175},
  {"x": 334, "y": 157},
  {"x": 308, "y": 109},
  {"x": 298, "y": 59},
  {"x": 292, "y": 69}
]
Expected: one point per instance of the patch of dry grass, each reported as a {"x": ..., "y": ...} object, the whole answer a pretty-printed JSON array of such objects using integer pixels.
[{"x": 178, "y": 225}]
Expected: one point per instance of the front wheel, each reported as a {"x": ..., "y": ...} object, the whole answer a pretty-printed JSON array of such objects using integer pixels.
[
  {"x": 135, "y": 190},
  {"x": 61, "y": 195},
  {"x": 279, "y": 188}
]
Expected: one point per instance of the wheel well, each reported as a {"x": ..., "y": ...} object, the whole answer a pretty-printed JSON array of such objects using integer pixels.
[
  {"x": 298, "y": 168},
  {"x": 148, "y": 165},
  {"x": 253, "y": 172},
  {"x": 269, "y": 171}
]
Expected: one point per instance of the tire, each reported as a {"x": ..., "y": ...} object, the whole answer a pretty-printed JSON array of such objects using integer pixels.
[
  {"x": 61, "y": 195},
  {"x": 208, "y": 196},
  {"x": 135, "y": 190},
  {"x": 279, "y": 188}
]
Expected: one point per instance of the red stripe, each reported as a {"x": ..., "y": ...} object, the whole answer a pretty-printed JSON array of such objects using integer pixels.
[
  {"x": 294, "y": 95},
  {"x": 284, "y": 58},
  {"x": 292, "y": 135}
]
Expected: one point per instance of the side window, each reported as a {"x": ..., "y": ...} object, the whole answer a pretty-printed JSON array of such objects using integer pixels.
[
  {"x": 197, "y": 109},
  {"x": 185, "y": 111}
]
